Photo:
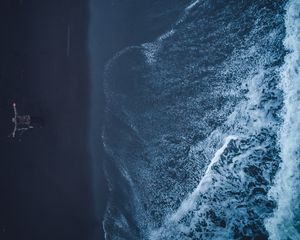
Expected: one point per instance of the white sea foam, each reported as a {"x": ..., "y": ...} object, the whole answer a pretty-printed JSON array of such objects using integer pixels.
[
  {"x": 151, "y": 48},
  {"x": 167, "y": 34},
  {"x": 193, "y": 4},
  {"x": 221, "y": 173},
  {"x": 247, "y": 119},
  {"x": 287, "y": 185},
  {"x": 189, "y": 203}
]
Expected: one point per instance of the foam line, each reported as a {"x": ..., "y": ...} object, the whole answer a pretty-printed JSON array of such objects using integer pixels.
[
  {"x": 193, "y": 4},
  {"x": 286, "y": 187},
  {"x": 189, "y": 203}
]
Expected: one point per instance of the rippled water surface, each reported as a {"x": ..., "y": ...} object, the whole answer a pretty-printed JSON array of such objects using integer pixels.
[{"x": 202, "y": 125}]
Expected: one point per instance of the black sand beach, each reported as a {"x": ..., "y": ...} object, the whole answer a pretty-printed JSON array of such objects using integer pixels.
[
  {"x": 46, "y": 176},
  {"x": 52, "y": 58}
]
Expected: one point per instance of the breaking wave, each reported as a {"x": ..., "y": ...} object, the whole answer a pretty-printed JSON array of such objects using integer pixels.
[
  {"x": 198, "y": 123},
  {"x": 285, "y": 224}
]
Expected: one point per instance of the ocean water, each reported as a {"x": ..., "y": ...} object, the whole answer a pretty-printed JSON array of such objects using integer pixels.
[{"x": 202, "y": 126}]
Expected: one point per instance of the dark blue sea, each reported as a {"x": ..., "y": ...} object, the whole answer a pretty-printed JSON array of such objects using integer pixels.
[{"x": 201, "y": 128}]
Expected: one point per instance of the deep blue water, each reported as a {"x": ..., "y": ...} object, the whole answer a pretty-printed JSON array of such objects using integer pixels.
[{"x": 202, "y": 123}]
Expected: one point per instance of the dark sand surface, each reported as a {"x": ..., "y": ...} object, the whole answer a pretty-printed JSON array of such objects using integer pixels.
[
  {"x": 51, "y": 185},
  {"x": 45, "y": 178}
]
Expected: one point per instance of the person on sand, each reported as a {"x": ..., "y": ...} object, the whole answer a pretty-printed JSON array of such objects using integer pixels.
[{"x": 23, "y": 122}]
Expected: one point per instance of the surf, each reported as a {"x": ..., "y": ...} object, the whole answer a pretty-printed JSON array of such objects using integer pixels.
[
  {"x": 284, "y": 224},
  {"x": 207, "y": 92}
]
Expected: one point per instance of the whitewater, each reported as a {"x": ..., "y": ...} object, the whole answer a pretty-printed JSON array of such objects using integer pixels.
[
  {"x": 202, "y": 126},
  {"x": 285, "y": 224}
]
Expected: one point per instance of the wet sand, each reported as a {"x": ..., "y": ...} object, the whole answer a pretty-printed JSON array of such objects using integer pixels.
[
  {"x": 46, "y": 176},
  {"x": 51, "y": 181}
]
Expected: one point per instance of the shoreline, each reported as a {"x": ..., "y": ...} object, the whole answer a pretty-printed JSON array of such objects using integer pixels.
[{"x": 111, "y": 29}]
